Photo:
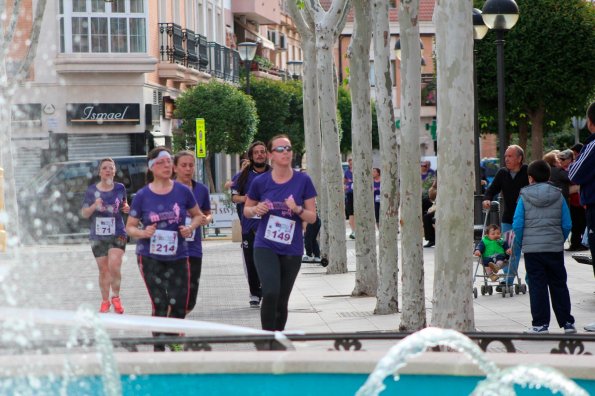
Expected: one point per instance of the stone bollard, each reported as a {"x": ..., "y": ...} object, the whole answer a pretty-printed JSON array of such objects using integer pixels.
[{"x": 2, "y": 231}]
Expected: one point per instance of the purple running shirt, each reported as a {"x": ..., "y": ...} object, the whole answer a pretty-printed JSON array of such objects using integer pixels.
[
  {"x": 168, "y": 211},
  {"x": 106, "y": 222},
  {"x": 248, "y": 224},
  {"x": 280, "y": 229},
  {"x": 201, "y": 194}
]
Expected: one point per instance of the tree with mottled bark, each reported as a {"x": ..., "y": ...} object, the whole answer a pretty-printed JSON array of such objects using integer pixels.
[
  {"x": 453, "y": 278},
  {"x": 388, "y": 252},
  {"x": 366, "y": 274},
  {"x": 312, "y": 136},
  {"x": 412, "y": 271},
  {"x": 328, "y": 25},
  {"x": 8, "y": 85}
]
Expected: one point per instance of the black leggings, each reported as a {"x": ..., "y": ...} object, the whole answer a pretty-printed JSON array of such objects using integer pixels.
[
  {"x": 251, "y": 272},
  {"x": 277, "y": 275},
  {"x": 168, "y": 284},
  {"x": 195, "y": 269}
]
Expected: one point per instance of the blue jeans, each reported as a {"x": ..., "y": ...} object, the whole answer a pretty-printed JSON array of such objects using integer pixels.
[{"x": 512, "y": 269}]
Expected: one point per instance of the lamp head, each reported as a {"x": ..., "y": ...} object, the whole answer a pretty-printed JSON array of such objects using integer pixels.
[
  {"x": 247, "y": 50},
  {"x": 500, "y": 14},
  {"x": 479, "y": 27}
]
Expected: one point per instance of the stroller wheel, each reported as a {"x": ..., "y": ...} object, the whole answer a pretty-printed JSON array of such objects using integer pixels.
[
  {"x": 475, "y": 292},
  {"x": 490, "y": 290},
  {"x": 517, "y": 289},
  {"x": 511, "y": 290},
  {"x": 483, "y": 290},
  {"x": 524, "y": 289}
]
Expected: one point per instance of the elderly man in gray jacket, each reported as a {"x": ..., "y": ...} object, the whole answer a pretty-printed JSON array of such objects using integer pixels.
[{"x": 542, "y": 223}]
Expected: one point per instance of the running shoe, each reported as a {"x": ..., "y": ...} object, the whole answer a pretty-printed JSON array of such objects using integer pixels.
[
  {"x": 117, "y": 305},
  {"x": 316, "y": 260},
  {"x": 306, "y": 259},
  {"x": 104, "y": 307},
  {"x": 590, "y": 327},
  {"x": 538, "y": 330},
  {"x": 569, "y": 328},
  {"x": 254, "y": 302},
  {"x": 352, "y": 236}
]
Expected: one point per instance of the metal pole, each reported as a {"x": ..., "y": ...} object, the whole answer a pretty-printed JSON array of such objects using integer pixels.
[
  {"x": 476, "y": 125},
  {"x": 501, "y": 109},
  {"x": 248, "y": 65}
]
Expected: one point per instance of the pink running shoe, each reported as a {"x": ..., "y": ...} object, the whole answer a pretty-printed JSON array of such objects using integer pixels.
[
  {"x": 117, "y": 305},
  {"x": 104, "y": 307}
]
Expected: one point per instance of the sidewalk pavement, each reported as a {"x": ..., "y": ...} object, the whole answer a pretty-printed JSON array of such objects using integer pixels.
[{"x": 65, "y": 276}]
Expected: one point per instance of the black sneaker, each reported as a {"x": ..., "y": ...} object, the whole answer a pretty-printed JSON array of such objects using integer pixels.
[
  {"x": 569, "y": 328},
  {"x": 255, "y": 303},
  {"x": 430, "y": 244}
]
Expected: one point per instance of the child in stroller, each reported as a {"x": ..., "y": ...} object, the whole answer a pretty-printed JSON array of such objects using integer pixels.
[{"x": 494, "y": 251}]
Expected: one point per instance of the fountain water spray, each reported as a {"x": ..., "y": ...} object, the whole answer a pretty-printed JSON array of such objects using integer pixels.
[{"x": 498, "y": 382}]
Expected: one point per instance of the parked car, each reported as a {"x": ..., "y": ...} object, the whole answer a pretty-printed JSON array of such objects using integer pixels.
[{"x": 50, "y": 205}]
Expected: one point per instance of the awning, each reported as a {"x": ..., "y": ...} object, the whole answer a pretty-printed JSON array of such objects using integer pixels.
[{"x": 257, "y": 37}]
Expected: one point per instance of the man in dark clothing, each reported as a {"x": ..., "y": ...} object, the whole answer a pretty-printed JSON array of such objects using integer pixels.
[
  {"x": 257, "y": 155},
  {"x": 509, "y": 181},
  {"x": 582, "y": 172}
]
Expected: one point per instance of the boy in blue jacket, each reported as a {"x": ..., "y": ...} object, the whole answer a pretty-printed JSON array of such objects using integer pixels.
[{"x": 542, "y": 223}]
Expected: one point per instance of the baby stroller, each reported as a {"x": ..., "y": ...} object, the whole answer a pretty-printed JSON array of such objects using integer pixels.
[{"x": 489, "y": 281}]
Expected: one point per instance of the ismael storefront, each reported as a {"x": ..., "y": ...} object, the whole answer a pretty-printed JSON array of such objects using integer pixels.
[{"x": 103, "y": 130}]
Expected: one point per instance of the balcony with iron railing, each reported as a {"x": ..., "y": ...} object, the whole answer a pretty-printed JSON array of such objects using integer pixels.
[{"x": 188, "y": 57}]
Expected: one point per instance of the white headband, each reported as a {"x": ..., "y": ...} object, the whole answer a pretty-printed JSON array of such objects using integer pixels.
[{"x": 162, "y": 154}]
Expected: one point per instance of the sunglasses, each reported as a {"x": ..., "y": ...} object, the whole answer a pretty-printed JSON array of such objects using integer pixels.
[{"x": 280, "y": 149}]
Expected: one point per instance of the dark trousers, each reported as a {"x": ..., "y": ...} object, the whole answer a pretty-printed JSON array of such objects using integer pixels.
[
  {"x": 429, "y": 231},
  {"x": 310, "y": 241},
  {"x": 251, "y": 272},
  {"x": 546, "y": 271},
  {"x": 168, "y": 284},
  {"x": 277, "y": 274},
  {"x": 195, "y": 269},
  {"x": 579, "y": 221},
  {"x": 591, "y": 227}
]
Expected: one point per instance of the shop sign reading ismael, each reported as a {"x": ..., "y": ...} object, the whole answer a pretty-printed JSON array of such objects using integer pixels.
[{"x": 102, "y": 113}]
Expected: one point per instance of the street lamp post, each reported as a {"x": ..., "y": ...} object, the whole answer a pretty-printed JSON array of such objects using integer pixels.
[
  {"x": 247, "y": 52},
  {"x": 479, "y": 31},
  {"x": 501, "y": 16},
  {"x": 295, "y": 68}
]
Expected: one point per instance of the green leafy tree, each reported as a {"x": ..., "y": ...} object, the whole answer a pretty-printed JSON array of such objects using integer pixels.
[
  {"x": 230, "y": 118},
  {"x": 549, "y": 67},
  {"x": 280, "y": 110}
]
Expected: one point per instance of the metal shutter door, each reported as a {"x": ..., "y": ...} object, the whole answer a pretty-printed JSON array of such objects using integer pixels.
[
  {"x": 27, "y": 164},
  {"x": 81, "y": 147}
]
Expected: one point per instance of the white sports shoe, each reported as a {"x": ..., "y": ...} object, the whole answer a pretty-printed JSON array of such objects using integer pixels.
[{"x": 590, "y": 327}]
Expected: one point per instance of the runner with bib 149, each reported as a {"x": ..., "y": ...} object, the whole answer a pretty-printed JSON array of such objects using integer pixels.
[{"x": 284, "y": 199}]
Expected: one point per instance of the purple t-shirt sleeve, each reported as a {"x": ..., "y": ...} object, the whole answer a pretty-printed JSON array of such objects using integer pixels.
[{"x": 90, "y": 196}]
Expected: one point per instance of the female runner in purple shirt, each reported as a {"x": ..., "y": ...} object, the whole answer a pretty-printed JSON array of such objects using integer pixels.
[
  {"x": 283, "y": 198},
  {"x": 162, "y": 252},
  {"x": 102, "y": 204},
  {"x": 184, "y": 166}
]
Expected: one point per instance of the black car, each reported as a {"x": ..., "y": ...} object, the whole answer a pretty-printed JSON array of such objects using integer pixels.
[{"x": 50, "y": 204}]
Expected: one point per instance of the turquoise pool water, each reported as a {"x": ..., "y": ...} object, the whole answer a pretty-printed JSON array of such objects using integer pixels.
[{"x": 282, "y": 385}]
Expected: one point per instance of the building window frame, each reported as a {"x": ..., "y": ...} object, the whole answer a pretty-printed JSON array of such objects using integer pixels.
[{"x": 123, "y": 27}]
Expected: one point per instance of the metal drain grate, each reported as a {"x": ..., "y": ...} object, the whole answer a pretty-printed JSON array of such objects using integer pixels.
[{"x": 355, "y": 314}]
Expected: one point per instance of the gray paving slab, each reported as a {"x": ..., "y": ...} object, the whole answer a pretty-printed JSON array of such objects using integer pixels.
[{"x": 65, "y": 277}]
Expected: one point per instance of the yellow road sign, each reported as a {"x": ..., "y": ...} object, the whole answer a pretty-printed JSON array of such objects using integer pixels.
[{"x": 201, "y": 138}]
